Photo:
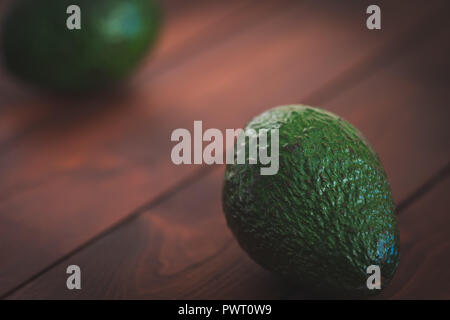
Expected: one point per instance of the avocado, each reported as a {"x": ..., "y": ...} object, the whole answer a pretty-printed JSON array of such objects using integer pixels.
[
  {"x": 326, "y": 216},
  {"x": 115, "y": 35}
]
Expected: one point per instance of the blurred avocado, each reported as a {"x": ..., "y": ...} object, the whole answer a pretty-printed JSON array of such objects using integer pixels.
[{"x": 115, "y": 35}]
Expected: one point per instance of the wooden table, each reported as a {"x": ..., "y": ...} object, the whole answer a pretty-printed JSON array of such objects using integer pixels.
[{"x": 90, "y": 181}]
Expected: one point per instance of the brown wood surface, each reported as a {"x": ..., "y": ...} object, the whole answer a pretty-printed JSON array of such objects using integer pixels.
[{"x": 70, "y": 176}]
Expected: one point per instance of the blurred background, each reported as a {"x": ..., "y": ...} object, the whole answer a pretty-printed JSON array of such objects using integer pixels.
[{"x": 88, "y": 179}]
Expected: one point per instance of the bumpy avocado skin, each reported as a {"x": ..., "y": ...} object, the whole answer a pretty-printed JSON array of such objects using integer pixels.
[
  {"x": 115, "y": 35},
  {"x": 326, "y": 215}
]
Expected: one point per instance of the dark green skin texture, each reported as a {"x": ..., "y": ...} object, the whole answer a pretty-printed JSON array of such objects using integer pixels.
[
  {"x": 115, "y": 36},
  {"x": 326, "y": 215}
]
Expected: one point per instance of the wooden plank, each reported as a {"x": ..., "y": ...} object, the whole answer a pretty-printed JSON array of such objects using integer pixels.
[
  {"x": 175, "y": 252},
  {"x": 183, "y": 249},
  {"x": 87, "y": 170}
]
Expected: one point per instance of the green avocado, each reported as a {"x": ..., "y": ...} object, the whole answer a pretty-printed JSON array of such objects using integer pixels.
[
  {"x": 326, "y": 216},
  {"x": 115, "y": 35}
]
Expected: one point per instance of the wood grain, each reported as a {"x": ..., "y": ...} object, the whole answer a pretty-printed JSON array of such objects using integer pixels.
[{"x": 182, "y": 248}]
